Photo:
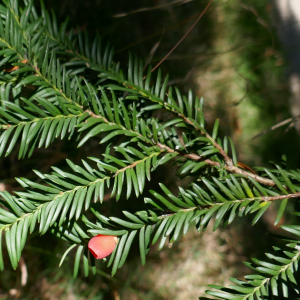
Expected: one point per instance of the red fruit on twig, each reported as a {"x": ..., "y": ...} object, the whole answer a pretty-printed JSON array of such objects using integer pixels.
[{"x": 102, "y": 245}]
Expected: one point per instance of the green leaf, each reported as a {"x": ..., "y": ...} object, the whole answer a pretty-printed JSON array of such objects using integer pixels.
[
  {"x": 119, "y": 253},
  {"x": 142, "y": 245},
  {"x": 173, "y": 198},
  {"x": 80, "y": 203},
  {"x": 166, "y": 158},
  {"x": 213, "y": 190},
  {"x": 278, "y": 184},
  {"x": 140, "y": 173},
  {"x": 209, "y": 214},
  {"x": 292, "y": 229},
  {"x": 174, "y": 222},
  {"x": 164, "y": 201},
  {"x": 224, "y": 296},
  {"x": 169, "y": 123},
  {"x": 187, "y": 221},
  {"x": 1, "y": 255},
  {"x": 107, "y": 105},
  {"x": 280, "y": 211},
  {"x": 179, "y": 226},
  {"x": 234, "y": 157},
  {"x": 233, "y": 213},
  {"x": 159, "y": 230},
  {"x": 221, "y": 214},
  {"x": 133, "y": 217},
  {"x": 8, "y": 239},
  {"x": 215, "y": 129},
  {"x": 77, "y": 260},
  {"x": 126, "y": 224},
  {"x": 224, "y": 189},
  {"x": 127, "y": 248},
  {"x": 287, "y": 180},
  {"x": 66, "y": 253},
  {"x": 209, "y": 152},
  {"x": 247, "y": 188},
  {"x": 5, "y": 139},
  {"x": 261, "y": 212},
  {"x": 107, "y": 232},
  {"x": 134, "y": 181},
  {"x": 85, "y": 262}
]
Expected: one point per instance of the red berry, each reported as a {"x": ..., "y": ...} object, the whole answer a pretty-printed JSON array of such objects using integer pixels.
[{"x": 102, "y": 245}]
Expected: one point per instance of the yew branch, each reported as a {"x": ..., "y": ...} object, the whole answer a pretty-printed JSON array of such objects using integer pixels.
[{"x": 231, "y": 168}]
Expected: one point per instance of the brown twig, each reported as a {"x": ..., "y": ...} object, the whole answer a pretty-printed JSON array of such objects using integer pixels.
[
  {"x": 281, "y": 197},
  {"x": 289, "y": 120},
  {"x": 127, "y": 167},
  {"x": 94, "y": 115},
  {"x": 184, "y": 36},
  {"x": 156, "y": 34},
  {"x": 263, "y": 198},
  {"x": 228, "y": 160},
  {"x": 187, "y": 155},
  {"x": 232, "y": 168},
  {"x": 143, "y": 9},
  {"x": 229, "y": 165}
]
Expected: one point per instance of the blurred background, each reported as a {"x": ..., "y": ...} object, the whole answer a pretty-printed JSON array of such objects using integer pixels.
[{"x": 242, "y": 57}]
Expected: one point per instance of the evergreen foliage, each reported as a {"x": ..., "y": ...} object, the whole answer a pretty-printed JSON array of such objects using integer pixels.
[{"x": 76, "y": 88}]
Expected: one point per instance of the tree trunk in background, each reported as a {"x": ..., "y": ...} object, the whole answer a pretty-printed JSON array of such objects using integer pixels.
[{"x": 288, "y": 28}]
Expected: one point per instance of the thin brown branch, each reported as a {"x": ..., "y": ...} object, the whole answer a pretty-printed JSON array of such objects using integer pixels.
[
  {"x": 184, "y": 36},
  {"x": 127, "y": 167},
  {"x": 228, "y": 160},
  {"x": 188, "y": 155},
  {"x": 229, "y": 164},
  {"x": 289, "y": 120},
  {"x": 135, "y": 163},
  {"x": 143, "y": 9},
  {"x": 155, "y": 34},
  {"x": 263, "y": 198},
  {"x": 281, "y": 197},
  {"x": 232, "y": 168},
  {"x": 257, "y": 178},
  {"x": 95, "y": 116}
]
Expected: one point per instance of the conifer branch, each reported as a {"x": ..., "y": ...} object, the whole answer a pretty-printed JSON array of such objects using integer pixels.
[
  {"x": 231, "y": 168},
  {"x": 35, "y": 53},
  {"x": 262, "y": 198}
]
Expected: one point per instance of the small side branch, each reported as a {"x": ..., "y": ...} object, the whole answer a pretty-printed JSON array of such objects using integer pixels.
[
  {"x": 231, "y": 168},
  {"x": 227, "y": 159},
  {"x": 229, "y": 164},
  {"x": 263, "y": 198},
  {"x": 136, "y": 163}
]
